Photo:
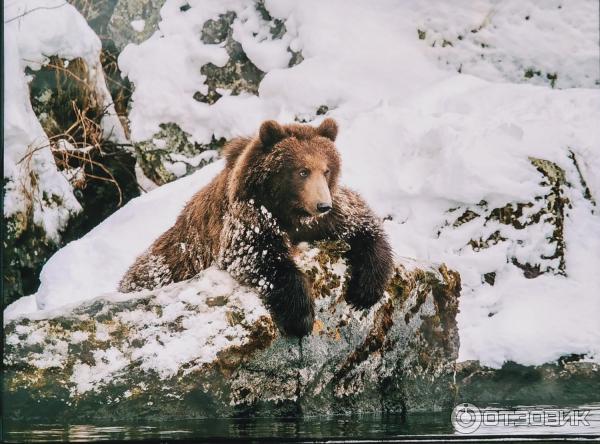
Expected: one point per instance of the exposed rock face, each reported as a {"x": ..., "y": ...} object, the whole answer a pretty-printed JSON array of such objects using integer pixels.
[
  {"x": 239, "y": 74},
  {"x": 25, "y": 248},
  {"x": 208, "y": 347},
  {"x": 542, "y": 219},
  {"x": 170, "y": 154},
  {"x": 120, "y": 28}
]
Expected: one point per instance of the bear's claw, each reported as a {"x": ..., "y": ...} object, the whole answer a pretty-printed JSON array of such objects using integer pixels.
[
  {"x": 298, "y": 327},
  {"x": 363, "y": 293}
]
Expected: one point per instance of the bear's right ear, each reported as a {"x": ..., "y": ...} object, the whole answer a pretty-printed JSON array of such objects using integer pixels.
[
  {"x": 328, "y": 128},
  {"x": 270, "y": 133}
]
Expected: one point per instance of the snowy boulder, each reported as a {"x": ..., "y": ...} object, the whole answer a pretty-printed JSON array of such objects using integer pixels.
[{"x": 207, "y": 347}]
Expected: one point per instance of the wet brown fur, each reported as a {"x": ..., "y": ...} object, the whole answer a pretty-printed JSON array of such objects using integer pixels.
[{"x": 259, "y": 200}]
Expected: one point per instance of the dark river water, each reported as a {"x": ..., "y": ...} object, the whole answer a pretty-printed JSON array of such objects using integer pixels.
[{"x": 476, "y": 425}]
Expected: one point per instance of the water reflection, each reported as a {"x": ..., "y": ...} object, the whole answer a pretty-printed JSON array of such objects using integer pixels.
[{"x": 355, "y": 426}]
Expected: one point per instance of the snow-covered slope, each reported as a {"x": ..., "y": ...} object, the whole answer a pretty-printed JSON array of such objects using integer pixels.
[{"x": 424, "y": 144}]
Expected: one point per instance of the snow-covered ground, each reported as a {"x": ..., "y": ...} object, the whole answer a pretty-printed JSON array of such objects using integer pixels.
[{"x": 417, "y": 139}]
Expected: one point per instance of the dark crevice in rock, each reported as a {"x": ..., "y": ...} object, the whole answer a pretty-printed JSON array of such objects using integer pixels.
[
  {"x": 372, "y": 343},
  {"x": 490, "y": 278},
  {"x": 322, "y": 110},
  {"x": 296, "y": 58},
  {"x": 586, "y": 190},
  {"x": 554, "y": 176}
]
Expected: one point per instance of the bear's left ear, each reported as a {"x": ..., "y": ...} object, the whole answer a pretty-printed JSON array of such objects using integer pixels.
[
  {"x": 270, "y": 133},
  {"x": 328, "y": 128}
]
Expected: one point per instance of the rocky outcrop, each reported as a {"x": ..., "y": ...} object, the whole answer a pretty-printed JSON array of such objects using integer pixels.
[
  {"x": 133, "y": 21},
  {"x": 208, "y": 347},
  {"x": 83, "y": 139},
  {"x": 541, "y": 221},
  {"x": 170, "y": 154}
]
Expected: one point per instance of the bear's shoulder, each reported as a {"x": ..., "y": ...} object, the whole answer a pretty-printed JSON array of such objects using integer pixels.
[{"x": 234, "y": 148}]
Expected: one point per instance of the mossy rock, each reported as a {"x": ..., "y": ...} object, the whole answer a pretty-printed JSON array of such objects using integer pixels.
[
  {"x": 170, "y": 154},
  {"x": 113, "y": 357}
]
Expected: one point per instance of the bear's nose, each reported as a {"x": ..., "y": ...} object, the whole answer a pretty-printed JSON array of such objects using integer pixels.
[{"x": 323, "y": 207}]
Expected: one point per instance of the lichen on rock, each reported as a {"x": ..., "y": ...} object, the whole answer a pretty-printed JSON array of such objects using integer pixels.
[
  {"x": 120, "y": 28},
  {"x": 170, "y": 154},
  {"x": 208, "y": 347},
  {"x": 239, "y": 74}
]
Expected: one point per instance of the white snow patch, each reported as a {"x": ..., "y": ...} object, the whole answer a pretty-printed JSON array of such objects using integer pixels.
[{"x": 138, "y": 25}]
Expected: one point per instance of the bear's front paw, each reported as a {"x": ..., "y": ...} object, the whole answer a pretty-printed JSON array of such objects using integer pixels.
[
  {"x": 293, "y": 307},
  {"x": 363, "y": 292},
  {"x": 299, "y": 326}
]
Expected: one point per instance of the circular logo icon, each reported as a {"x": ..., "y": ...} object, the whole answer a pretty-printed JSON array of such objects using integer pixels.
[{"x": 466, "y": 418}]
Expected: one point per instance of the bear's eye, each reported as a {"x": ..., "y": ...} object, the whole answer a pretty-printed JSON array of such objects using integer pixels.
[
  {"x": 327, "y": 172},
  {"x": 304, "y": 172}
]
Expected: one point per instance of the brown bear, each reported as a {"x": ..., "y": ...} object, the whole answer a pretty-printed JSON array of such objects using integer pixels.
[{"x": 276, "y": 190}]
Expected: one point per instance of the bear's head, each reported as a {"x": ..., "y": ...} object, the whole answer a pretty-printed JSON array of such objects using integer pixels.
[{"x": 291, "y": 169}]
